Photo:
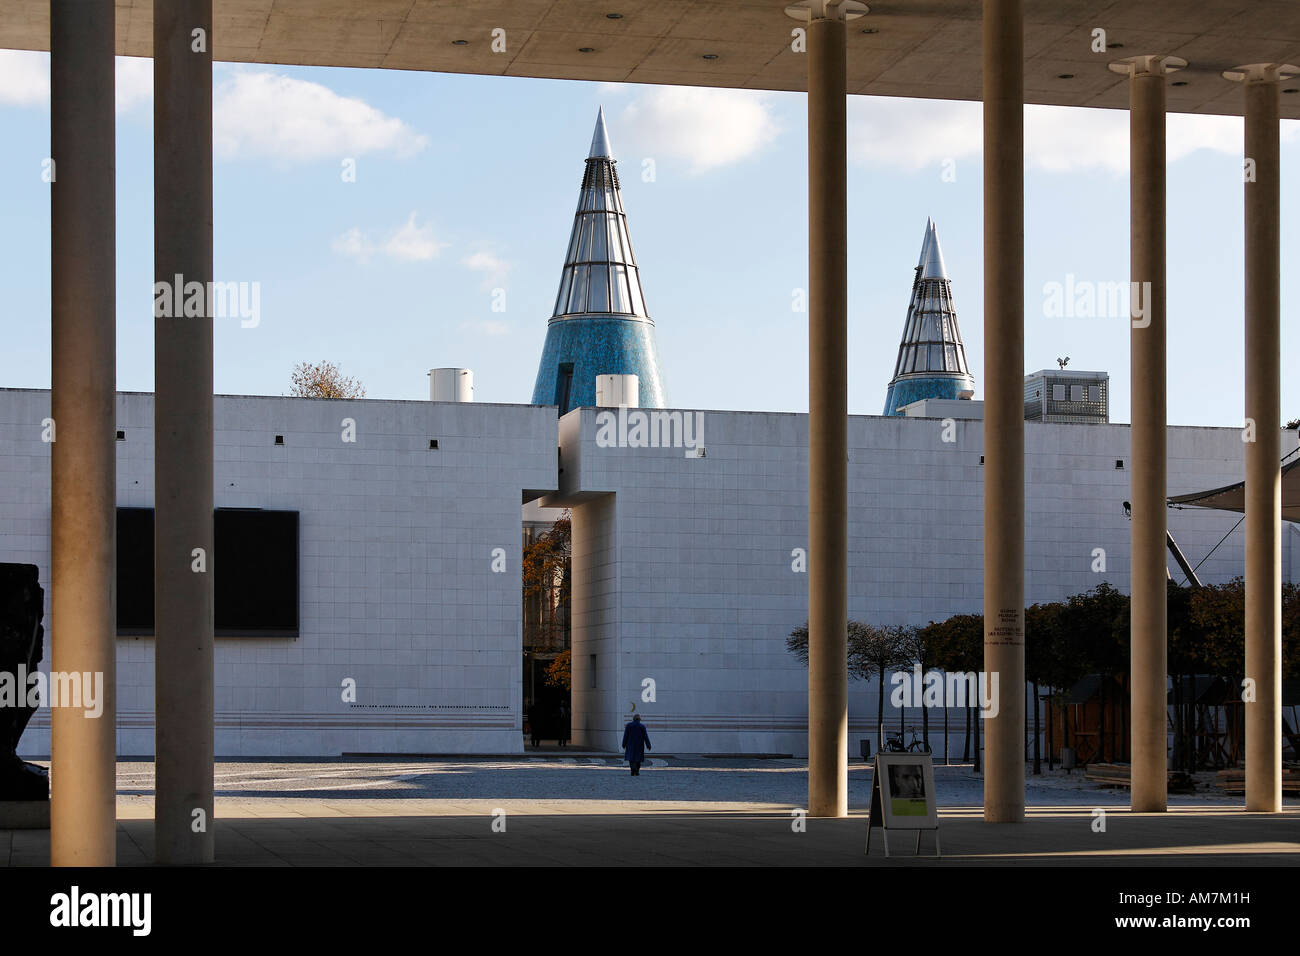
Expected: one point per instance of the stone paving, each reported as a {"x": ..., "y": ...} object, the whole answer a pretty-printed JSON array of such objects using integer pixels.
[{"x": 587, "y": 809}]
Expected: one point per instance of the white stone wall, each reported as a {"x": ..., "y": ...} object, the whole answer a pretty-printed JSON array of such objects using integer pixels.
[
  {"x": 702, "y": 554},
  {"x": 395, "y": 554},
  {"x": 682, "y": 566}
]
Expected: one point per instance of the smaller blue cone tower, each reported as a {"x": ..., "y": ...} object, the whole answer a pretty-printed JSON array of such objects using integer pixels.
[
  {"x": 931, "y": 356},
  {"x": 600, "y": 325}
]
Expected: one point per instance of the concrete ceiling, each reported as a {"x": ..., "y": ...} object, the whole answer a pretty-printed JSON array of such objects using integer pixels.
[{"x": 920, "y": 48}]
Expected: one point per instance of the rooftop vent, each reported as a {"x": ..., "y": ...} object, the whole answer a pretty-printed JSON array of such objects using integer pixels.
[{"x": 451, "y": 385}]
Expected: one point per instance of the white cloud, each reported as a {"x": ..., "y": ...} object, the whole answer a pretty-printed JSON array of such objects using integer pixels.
[
  {"x": 1059, "y": 139},
  {"x": 25, "y": 79},
  {"x": 913, "y": 134},
  {"x": 133, "y": 82},
  {"x": 708, "y": 128},
  {"x": 493, "y": 267},
  {"x": 354, "y": 245},
  {"x": 410, "y": 242},
  {"x": 266, "y": 114},
  {"x": 486, "y": 327}
]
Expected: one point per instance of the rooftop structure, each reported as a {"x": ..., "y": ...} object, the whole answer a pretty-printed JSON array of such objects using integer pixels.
[
  {"x": 600, "y": 325},
  {"x": 1067, "y": 395},
  {"x": 931, "y": 357}
]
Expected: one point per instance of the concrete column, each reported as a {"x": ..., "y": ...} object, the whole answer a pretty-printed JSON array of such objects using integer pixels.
[
  {"x": 828, "y": 686},
  {"x": 1004, "y": 414},
  {"x": 828, "y": 554},
  {"x": 1263, "y": 454},
  {"x": 1149, "y": 572},
  {"x": 83, "y": 345},
  {"x": 183, "y": 433}
]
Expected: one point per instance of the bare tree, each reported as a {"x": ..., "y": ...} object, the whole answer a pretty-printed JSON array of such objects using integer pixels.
[
  {"x": 915, "y": 643},
  {"x": 877, "y": 650},
  {"x": 323, "y": 380},
  {"x": 872, "y": 651}
]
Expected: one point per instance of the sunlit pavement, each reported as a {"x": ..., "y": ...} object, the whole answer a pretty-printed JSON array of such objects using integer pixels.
[{"x": 584, "y": 809}]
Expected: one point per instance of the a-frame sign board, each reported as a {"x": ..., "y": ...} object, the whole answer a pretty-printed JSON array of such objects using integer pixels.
[{"x": 902, "y": 797}]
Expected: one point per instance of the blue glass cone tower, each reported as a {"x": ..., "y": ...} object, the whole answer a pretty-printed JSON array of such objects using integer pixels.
[
  {"x": 600, "y": 325},
  {"x": 931, "y": 357}
]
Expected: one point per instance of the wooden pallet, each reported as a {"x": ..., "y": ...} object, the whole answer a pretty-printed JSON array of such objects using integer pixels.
[
  {"x": 1233, "y": 780},
  {"x": 1119, "y": 775}
]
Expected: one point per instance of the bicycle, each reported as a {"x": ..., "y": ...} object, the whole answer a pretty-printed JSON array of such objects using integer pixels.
[{"x": 894, "y": 743}]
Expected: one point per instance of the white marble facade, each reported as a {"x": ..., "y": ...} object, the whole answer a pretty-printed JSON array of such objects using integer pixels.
[
  {"x": 682, "y": 564},
  {"x": 397, "y": 588},
  {"x": 689, "y": 560}
]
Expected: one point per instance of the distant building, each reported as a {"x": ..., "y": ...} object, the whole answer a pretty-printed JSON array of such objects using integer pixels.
[
  {"x": 931, "y": 357},
  {"x": 1067, "y": 395},
  {"x": 600, "y": 325}
]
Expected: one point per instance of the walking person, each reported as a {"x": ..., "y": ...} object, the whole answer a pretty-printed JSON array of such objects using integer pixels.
[
  {"x": 635, "y": 743},
  {"x": 535, "y": 723},
  {"x": 563, "y": 729}
]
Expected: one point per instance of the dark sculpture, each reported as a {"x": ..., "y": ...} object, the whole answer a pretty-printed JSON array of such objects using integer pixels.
[{"x": 22, "y": 607}]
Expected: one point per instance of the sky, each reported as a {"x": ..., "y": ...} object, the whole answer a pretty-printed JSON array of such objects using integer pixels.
[{"x": 445, "y": 246}]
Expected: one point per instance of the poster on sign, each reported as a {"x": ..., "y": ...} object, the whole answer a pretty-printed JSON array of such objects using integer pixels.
[
  {"x": 902, "y": 797},
  {"x": 908, "y": 797}
]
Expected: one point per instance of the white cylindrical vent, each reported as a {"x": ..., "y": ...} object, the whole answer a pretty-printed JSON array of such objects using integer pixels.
[
  {"x": 451, "y": 385},
  {"x": 615, "y": 390}
]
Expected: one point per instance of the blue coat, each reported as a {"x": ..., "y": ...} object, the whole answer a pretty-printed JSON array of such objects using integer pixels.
[{"x": 635, "y": 742}]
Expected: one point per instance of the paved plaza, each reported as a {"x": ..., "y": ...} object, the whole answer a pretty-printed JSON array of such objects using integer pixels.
[{"x": 586, "y": 809}]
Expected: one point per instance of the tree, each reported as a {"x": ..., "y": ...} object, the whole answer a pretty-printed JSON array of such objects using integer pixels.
[
  {"x": 957, "y": 644},
  {"x": 915, "y": 644},
  {"x": 1186, "y": 655},
  {"x": 1042, "y": 643},
  {"x": 559, "y": 672},
  {"x": 872, "y": 651},
  {"x": 546, "y": 581},
  {"x": 1218, "y": 612},
  {"x": 1094, "y": 629},
  {"x": 876, "y": 650},
  {"x": 323, "y": 380},
  {"x": 1290, "y": 630}
]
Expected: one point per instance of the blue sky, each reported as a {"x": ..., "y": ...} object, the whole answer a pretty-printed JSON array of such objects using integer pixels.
[{"x": 467, "y": 184}]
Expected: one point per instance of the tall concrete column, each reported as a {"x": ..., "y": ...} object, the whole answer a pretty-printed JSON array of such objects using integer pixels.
[
  {"x": 1148, "y": 574},
  {"x": 1263, "y": 454},
  {"x": 828, "y": 390},
  {"x": 828, "y": 698},
  {"x": 1004, "y": 414},
  {"x": 183, "y": 552},
  {"x": 83, "y": 333}
]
